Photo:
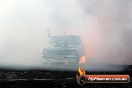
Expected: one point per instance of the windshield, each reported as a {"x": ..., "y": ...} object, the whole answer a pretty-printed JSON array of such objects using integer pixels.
[{"x": 65, "y": 41}]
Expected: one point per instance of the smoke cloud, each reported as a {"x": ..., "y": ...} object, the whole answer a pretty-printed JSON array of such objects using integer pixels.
[{"x": 104, "y": 27}]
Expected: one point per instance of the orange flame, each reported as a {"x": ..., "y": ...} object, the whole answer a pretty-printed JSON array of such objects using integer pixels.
[
  {"x": 82, "y": 60},
  {"x": 80, "y": 69}
]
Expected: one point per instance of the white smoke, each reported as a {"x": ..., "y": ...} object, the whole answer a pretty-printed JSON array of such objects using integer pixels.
[{"x": 104, "y": 26}]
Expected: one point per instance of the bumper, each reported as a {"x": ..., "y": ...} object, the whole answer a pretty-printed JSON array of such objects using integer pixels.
[{"x": 60, "y": 60}]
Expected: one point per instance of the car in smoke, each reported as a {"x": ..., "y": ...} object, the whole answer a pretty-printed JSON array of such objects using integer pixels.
[{"x": 63, "y": 49}]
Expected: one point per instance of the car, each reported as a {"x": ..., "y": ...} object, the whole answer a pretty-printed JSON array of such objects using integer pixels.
[{"x": 63, "y": 49}]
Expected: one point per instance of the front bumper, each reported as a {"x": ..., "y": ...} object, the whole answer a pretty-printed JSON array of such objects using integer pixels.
[{"x": 63, "y": 60}]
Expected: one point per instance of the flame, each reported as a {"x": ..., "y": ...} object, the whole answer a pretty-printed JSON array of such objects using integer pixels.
[
  {"x": 80, "y": 69},
  {"x": 82, "y": 60}
]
